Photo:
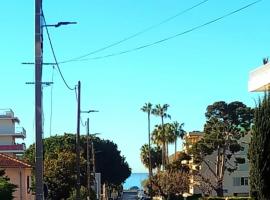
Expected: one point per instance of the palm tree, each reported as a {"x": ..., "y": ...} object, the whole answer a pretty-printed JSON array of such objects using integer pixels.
[
  {"x": 159, "y": 137},
  {"x": 155, "y": 156},
  {"x": 148, "y": 109},
  {"x": 178, "y": 132},
  {"x": 161, "y": 111}
]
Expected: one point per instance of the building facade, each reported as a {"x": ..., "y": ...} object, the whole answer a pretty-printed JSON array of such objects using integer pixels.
[
  {"x": 10, "y": 133},
  {"x": 11, "y": 147},
  {"x": 234, "y": 184}
]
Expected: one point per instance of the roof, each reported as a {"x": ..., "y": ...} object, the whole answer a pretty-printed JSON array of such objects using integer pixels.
[{"x": 10, "y": 162}]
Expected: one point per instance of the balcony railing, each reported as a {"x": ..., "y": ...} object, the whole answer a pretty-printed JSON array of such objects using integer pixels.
[
  {"x": 20, "y": 131},
  {"x": 13, "y": 148},
  {"x": 6, "y": 113}
]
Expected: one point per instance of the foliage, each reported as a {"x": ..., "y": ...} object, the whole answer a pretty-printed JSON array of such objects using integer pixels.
[
  {"x": 177, "y": 164},
  {"x": 155, "y": 156},
  {"x": 169, "y": 184},
  {"x": 161, "y": 111},
  {"x": 226, "y": 124},
  {"x": 259, "y": 151},
  {"x": 60, "y": 163},
  {"x": 6, "y": 188},
  {"x": 83, "y": 193}
]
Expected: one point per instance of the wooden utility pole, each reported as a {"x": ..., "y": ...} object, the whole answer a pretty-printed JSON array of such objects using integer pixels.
[
  {"x": 38, "y": 99},
  {"x": 78, "y": 185}
]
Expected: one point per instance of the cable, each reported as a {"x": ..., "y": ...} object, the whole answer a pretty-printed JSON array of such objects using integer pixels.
[
  {"x": 136, "y": 34},
  {"x": 52, "y": 49},
  {"x": 173, "y": 36}
]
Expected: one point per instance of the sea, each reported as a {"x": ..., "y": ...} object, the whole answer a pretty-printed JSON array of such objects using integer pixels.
[{"x": 135, "y": 179}]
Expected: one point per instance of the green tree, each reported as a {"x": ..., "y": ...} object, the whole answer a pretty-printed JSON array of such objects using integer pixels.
[
  {"x": 155, "y": 156},
  {"x": 259, "y": 151},
  {"x": 60, "y": 162},
  {"x": 226, "y": 124},
  {"x": 161, "y": 111},
  {"x": 6, "y": 188}
]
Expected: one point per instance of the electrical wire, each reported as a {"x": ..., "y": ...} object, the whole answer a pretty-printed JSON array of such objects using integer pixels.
[
  {"x": 54, "y": 56},
  {"x": 173, "y": 36},
  {"x": 136, "y": 34}
]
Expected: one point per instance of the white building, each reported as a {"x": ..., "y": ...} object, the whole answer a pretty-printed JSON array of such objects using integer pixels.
[
  {"x": 10, "y": 133},
  {"x": 259, "y": 79}
]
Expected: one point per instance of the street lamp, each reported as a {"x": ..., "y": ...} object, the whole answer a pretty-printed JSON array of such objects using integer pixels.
[
  {"x": 59, "y": 24},
  {"x": 88, "y": 153}
]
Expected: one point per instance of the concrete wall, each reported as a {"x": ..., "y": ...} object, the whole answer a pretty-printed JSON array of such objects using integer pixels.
[
  {"x": 7, "y": 126},
  {"x": 18, "y": 176}
]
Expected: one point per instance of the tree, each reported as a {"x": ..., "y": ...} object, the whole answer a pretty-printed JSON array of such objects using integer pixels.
[
  {"x": 60, "y": 162},
  {"x": 170, "y": 184},
  {"x": 226, "y": 124},
  {"x": 259, "y": 151},
  {"x": 178, "y": 132},
  {"x": 6, "y": 188},
  {"x": 160, "y": 137},
  {"x": 161, "y": 111},
  {"x": 155, "y": 156},
  {"x": 148, "y": 109}
]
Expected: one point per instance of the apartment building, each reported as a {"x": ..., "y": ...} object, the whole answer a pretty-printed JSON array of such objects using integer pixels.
[
  {"x": 11, "y": 147},
  {"x": 10, "y": 133},
  {"x": 235, "y": 183}
]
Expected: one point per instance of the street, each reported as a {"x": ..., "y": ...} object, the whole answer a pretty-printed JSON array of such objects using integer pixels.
[{"x": 129, "y": 195}]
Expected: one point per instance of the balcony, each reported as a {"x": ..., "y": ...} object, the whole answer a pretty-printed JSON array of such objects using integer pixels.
[
  {"x": 18, "y": 133},
  {"x": 13, "y": 148},
  {"x": 259, "y": 79},
  {"x": 8, "y": 114}
]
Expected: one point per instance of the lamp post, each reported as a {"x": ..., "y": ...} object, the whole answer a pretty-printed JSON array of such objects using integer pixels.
[
  {"x": 59, "y": 24},
  {"x": 88, "y": 154}
]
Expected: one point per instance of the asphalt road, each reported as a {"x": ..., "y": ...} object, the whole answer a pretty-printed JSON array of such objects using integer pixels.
[{"x": 129, "y": 195}]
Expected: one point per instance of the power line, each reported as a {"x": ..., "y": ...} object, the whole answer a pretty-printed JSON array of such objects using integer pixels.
[
  {"x": 171, "y": 37},
  {"x": 136, "y": 34},
  {"x": 54, "y": 56}
]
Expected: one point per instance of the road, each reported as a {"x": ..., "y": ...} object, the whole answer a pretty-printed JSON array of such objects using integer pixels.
[{"x": 129, "y": 195}]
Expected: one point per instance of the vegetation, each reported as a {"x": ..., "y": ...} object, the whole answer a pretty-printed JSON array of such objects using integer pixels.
[
  {"x": 169, "y": 184},
  {"x": 161, "y": 111},
  {"x": 147, "y": 108},
  {"x": 60, "y": 162},
  {"x": 226, "y": 124},
  {"x": 6, "y": 188},
  {"x": 155, "y": 156},
  {"x": 259, "y": 152}
]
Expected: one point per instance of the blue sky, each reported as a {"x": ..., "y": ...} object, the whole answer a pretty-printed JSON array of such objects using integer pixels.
[{"x": 188, "y": 72}]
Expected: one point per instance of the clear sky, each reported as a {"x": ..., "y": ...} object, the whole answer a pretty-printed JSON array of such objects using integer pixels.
[{"x": 188, "y": 72}]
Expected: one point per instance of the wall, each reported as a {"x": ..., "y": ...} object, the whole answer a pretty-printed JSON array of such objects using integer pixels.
[{"x": 14, "y": 175}]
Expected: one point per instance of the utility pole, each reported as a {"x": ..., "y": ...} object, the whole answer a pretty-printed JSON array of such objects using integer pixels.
[
  {"x": 93, "y": 164},
  {"x": 38, "y": 99},
  {"x": 88, "y": 161},
  {"x": 78, "y": 186}
]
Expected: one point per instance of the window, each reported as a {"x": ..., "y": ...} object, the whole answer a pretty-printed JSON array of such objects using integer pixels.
[
  {"x": 240, "y": 181},
  {"x": 244, "y": 180}
]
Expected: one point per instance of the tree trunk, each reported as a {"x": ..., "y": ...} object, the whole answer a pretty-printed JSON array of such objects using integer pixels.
[
  {"x": 175, "y": 148},
  {"x": 163, "y": 155}
]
